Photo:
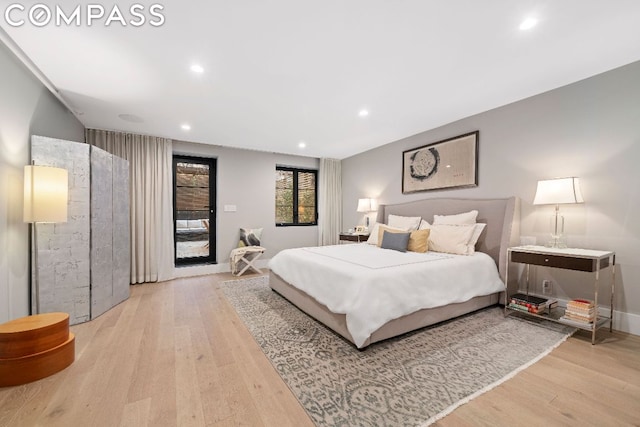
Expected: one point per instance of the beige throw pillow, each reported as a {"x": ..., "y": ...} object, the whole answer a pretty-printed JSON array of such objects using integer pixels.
[{"x": 419, "y": 241}]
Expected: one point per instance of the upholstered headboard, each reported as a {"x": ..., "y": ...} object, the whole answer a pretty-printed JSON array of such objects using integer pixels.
[{"x": 502, "y": 217}]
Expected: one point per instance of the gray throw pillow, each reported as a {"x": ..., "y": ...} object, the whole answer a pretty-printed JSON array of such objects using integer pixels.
[{"x": 395, "y": 241}]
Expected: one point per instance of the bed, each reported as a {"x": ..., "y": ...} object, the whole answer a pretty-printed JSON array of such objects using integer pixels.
[{"x": 501, "y": 217}]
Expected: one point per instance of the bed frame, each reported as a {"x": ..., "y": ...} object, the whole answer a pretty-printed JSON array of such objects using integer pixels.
[{"x": 502, "y": 217}]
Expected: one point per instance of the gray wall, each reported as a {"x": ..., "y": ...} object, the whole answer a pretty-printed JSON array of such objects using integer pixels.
[
  {"x": 26, "y": 108},
  {"x": 246, "y": 178},
  {"x": 589, "y": 129}
]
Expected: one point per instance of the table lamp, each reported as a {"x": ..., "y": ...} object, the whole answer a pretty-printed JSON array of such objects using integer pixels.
[
  {"x": 366, "y": 206},
  {"x": 558, "y": 191}
]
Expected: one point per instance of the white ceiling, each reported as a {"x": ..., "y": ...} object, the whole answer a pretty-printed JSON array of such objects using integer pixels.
[{"x": 284, "y": 71}]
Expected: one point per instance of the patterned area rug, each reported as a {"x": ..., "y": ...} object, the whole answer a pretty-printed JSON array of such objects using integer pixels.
[{"x": 411, "y": 380}]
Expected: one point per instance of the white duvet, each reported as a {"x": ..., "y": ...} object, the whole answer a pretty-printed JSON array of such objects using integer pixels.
[{"x": 372, "y": 286}]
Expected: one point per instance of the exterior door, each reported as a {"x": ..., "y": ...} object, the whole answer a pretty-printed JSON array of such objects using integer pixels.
[{"x": 194, "y": 180}]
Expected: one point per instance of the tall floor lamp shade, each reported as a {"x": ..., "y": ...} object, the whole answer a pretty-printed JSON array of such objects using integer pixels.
[
  {"x": 46, "y": 192},
  {"x": 556, "y": 192}
]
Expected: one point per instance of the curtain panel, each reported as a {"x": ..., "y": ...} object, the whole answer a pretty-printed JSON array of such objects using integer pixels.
[
  {"x": 151, "y": 198},
  {"x": 330, "y": 202}
]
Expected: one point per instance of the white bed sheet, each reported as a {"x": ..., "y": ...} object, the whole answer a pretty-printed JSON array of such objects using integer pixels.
[{"x": 372, "y": 286}]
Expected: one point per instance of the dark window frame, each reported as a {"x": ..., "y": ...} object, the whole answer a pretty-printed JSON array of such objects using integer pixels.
[{"x": 296, "y": 171}]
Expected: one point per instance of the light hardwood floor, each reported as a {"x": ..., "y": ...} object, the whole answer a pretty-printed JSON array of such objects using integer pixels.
[{"x": 176, "y": 353}]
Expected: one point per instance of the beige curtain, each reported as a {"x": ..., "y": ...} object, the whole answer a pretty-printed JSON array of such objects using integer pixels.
[
  {"x": 151, "y": 195},
  {"x": 329, "y": 202}
]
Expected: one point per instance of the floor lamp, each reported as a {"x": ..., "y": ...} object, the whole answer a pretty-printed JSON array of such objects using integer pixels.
[{"x": 46, "y": 192}]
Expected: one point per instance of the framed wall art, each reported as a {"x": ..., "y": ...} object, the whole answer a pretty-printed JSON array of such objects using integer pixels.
[{"x": 452, "y": 163}]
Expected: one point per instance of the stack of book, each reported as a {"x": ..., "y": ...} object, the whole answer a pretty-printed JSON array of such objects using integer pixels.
[
  {"x": 581, "y": 311},
  {"x": 528, "y": 303}
]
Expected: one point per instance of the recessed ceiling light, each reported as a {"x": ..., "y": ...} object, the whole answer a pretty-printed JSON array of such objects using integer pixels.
[
  {"x": 197, "y": 68},
  {"x": 363, "y": 113},
  {"x": 302, "y": 144},
  {"x": 528, "y": 24},
  {"x": 186, "y": 126}
]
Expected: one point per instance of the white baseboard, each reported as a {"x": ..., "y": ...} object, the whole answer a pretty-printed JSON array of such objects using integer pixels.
[
  {"x": 626, "y": 322},
  {"x": 204, "y": 269},
  {"x": 623, "y": 322}
]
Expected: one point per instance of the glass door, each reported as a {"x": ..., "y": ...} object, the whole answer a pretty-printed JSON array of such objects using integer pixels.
[{"x": 194, "y": 198}]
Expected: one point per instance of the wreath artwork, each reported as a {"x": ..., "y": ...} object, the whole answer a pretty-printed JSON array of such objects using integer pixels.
[
  {"x": 424, "y": 164},
  {"x": 451, "y": 163}
]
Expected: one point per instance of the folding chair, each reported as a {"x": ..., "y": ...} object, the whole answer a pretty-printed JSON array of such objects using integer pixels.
[{"x": 247, "y": 255}]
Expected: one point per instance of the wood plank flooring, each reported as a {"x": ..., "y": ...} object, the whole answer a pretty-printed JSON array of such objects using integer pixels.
[{"x": 176, "y": 354}]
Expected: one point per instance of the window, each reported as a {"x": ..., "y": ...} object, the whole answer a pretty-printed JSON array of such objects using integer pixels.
[{"x": 296, "y": 196}]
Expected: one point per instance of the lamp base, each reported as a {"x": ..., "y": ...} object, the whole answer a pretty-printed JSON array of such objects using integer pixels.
[
  {"x": 557, "y": 229},
  {"x": 556, "y": 242}
]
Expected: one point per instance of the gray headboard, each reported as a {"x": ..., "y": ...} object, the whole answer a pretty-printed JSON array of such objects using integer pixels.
[{"x": 502, "y": 217}]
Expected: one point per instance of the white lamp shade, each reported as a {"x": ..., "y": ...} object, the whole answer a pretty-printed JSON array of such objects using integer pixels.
[
  {"x": 46, "y": 191},
  {"x": 558, "y": 191},
  {"x": 364, "y": 205}
]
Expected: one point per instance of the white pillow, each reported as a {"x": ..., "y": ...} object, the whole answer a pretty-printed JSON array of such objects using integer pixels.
[
  {"x": 477, "y": 231},
  {"x": 409, "y": 223},
  {"x": 452, "y": 239},
  {"x": 373, "y": 237},
  {"x": 463, "y": 218},
  {"x": 424, "y": 225},
  {"x": 181, "y": 224},
  {"x": 194, "y": 223}
]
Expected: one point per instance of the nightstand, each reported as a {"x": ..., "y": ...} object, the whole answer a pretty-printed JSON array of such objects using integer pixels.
[
  {"x": 586, "y": 260},
  {"x": 354, "y": 237}
]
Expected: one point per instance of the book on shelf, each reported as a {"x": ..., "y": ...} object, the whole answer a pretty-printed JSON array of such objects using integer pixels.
[
  {"x": 571, "y": 322},
  {"x": 579, "y": 318},
  {"x": 531, "y": 299},
  {"x": 581, "y": 310},
  {"x": 525, "y": 309},
  {"x": 581, "y": 304}
]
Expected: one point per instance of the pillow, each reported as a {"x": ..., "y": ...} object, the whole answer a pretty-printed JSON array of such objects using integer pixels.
[
  {"x": 452, "y": 239},
  {"x": 250, "y": 237},
  {"x": 194, "y": 223},
  {"x": 424, "y": 225},
  {"x": 463, "y": 218},
  {"x": 395, "y": 241},
  {"x": 181, "y": 224},
  {"x": 376, "y": 236},
  {"x": 382, "y": 228},
  {"x": 418, "y": 240},
  {"x": 477, "y": 231},
  {"x": 408, "y": 223}
]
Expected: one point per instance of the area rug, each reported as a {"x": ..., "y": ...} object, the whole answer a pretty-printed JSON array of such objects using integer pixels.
[{"x": 412, "y": 380}]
